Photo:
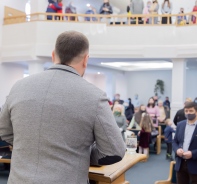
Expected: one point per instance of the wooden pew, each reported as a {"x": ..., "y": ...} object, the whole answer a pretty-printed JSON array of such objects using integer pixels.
[
  {"x": 172, "y": 176},
  {"x": 158, "y": 141},
  {"x": 5, "y": 161}
]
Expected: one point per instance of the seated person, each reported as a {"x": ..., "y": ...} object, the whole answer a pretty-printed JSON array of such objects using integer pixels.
[
  {"x": 181, "y": 20},
  {"x": 164, "y": 112},
  {"x": 153, "y": 110},
  {"x": 120, "y": 119}
]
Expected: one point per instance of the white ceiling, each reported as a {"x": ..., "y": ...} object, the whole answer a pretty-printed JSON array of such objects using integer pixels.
[{"x": 129, "y": 64}]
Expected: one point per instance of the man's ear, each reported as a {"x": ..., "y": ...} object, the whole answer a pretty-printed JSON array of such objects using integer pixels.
[
  {"x": 53, "y": 57},
  {"x": 85, "y": 61}
]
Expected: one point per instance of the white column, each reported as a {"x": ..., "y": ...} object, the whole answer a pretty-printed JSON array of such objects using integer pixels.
[
  {"x": 178, "y": 85},
  {"x": 35, "y": 67},
  {"x": 110, "y": 85}
]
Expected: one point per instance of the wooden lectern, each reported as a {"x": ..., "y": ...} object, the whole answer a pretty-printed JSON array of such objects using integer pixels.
[
  {"x": 115, "y": 174},
  {"x": 111, "y": 174}
]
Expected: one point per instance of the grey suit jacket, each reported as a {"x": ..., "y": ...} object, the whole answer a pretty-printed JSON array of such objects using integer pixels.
[{"x": 57, "y": 122}]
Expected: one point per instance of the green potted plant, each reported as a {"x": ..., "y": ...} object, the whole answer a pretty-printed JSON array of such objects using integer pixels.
[{"x": 159, "y": 87}]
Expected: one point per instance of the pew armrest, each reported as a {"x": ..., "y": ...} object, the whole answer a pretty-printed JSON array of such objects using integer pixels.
[
  {"x": 163, "y": 182},
  {"x": 169, "y": 180}
]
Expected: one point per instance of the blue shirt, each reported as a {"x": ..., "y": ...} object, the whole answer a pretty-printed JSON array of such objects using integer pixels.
[
  {"x": 168, "y": 134},
  {"x": 189, "y": 130}
]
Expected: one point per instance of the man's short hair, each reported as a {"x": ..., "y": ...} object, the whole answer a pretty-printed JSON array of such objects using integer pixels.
[
  {"x": 189, "y": 105},
  {"x": 70, "y": 45}
]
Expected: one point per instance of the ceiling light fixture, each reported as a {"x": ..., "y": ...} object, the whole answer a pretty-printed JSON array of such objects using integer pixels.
[{"x": 134, "y": 65}]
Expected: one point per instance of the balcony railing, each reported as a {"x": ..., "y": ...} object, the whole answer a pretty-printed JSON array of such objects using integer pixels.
[{"x": 110, "y": 20}]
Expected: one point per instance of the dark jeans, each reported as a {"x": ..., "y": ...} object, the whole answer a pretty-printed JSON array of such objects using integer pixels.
[
  {"x": 165, "y": 20},
  {"x": 183, "y": 177},
  {"x": 169, "y": 148}
]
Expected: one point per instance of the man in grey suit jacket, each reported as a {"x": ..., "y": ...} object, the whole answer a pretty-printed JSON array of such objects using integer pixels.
[{"x": 59, "y": 123}]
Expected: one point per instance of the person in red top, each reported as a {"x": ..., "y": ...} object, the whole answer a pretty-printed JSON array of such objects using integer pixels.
[
  {"x": 194, "y": 10},
  {"x": 54, "y": 7}
]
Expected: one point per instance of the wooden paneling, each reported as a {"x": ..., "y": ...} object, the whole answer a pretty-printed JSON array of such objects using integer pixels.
[{"x": 12, "y": 16}]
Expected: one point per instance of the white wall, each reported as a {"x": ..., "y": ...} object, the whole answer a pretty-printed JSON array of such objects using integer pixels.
[
  {"x": 115, "y": 81},
  {"x": 17, "y": 4},
  {"x": 143, "y": 82},
  {"x": 132, "y": 42},
  {"x": 191, "y": 84},
  {"x": 98, "y": 80},
  {"x": 9, "y": 75},
  {"x": 140, "y": 82}
]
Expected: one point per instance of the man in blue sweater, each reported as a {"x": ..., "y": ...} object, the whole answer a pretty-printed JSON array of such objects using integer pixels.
[{"x": 185, "y": 146}]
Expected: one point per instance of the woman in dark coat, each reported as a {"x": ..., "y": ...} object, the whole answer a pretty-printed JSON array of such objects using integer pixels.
[{"x": 129, "y": 110}]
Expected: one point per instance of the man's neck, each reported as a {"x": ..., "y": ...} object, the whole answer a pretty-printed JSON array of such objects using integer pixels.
[{"x": 192, "y": 122}]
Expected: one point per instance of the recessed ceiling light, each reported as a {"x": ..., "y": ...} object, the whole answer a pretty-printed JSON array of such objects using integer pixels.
[
  {"x": 88, "y": 5},
  {"x": 146, "y": 65},
  {"x": 98, "y": 73}
]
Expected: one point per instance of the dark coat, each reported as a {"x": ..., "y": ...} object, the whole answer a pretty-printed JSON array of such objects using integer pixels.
[
  {"x": 178, "y": 143},
  {"x": 167, "y": 103},
  {"x": 180, "y": 116},
  {"x": 106, "y": 6},
  {"x": 129, "y": 113}
]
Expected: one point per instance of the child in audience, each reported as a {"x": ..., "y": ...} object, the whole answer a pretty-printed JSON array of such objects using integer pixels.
[
  {"x": 145, "y": 133},
  {"x": 168, "y": 138}
]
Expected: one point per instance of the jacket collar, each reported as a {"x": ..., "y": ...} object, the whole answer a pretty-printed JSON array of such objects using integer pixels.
[
  {"x": 183, "y": 131},
  {"x": 65, "y": 67},
  {"x": 194, "y": 134}
]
